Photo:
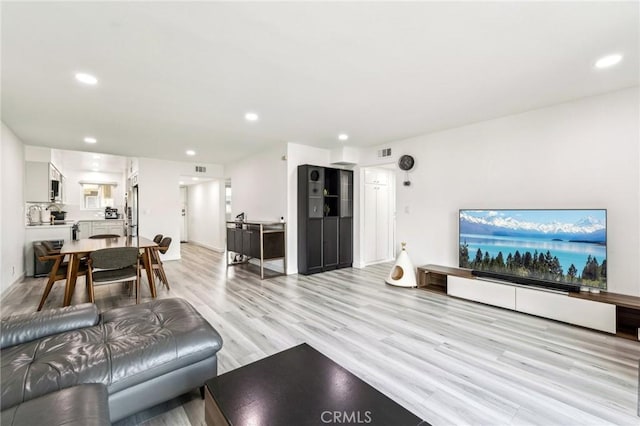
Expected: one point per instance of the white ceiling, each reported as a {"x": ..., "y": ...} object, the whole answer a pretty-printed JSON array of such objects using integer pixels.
[
  {"x": 176, "y": 76},
  {"x": 88, "y": 161}
]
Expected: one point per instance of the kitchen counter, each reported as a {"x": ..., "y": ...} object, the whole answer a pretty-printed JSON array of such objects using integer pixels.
[
  {"x": 99, "y": 220},
  {"x": 48, "y": 225}
]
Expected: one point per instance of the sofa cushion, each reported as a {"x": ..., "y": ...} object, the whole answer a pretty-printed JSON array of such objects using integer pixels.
[
  {"x": 84, "y": 405},
  {"x": 130, "y": 345},
  {"x": 23, "y": 328}
]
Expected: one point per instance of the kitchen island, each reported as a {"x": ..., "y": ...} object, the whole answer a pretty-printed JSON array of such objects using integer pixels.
[{"x": 43, "y": 232}]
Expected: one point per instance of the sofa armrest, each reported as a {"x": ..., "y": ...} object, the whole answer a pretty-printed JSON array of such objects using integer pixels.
[{"x": 24, "y": 328}]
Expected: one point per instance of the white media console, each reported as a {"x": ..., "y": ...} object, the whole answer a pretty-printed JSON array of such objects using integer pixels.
[{"x": 607, "y": 312}]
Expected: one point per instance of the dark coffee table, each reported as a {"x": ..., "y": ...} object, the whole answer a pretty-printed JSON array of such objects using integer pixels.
[{"x": 299, "y": 386}]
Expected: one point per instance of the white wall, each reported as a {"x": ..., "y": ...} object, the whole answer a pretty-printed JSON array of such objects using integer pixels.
[
  {"x": 12, "y": 215},
  {"x": 258, "y": 185},
  {"x": 205, "y": 209},
  {"x": 581, "y": 154},
  {"x": 298, "y": 155},
  {"x": 159, "y": 202}
]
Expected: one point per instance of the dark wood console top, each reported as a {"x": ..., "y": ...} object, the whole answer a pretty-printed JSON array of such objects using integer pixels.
[
  {"x": 623, "y": 300},
  {"x": 447, "y": 270}
]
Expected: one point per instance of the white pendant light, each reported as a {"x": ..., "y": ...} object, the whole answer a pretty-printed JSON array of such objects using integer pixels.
[{"x": 403, "y": 274}]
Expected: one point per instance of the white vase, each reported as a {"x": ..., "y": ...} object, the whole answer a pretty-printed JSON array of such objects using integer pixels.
[{"x": 403, "y": 274}]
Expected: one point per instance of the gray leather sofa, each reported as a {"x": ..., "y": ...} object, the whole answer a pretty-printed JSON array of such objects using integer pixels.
[
  {"x": 82, "y": 405},
  {"x": 144, "y": 354}
]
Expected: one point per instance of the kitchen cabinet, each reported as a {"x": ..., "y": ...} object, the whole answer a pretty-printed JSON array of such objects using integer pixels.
[
  {"x": 84, "y": 229},
  {"x": 43, "y": 183},
  {"x": 88, "y": 228}
]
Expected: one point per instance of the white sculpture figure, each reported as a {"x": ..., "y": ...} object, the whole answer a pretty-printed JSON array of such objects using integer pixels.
[{"x": 403, "y": 273}]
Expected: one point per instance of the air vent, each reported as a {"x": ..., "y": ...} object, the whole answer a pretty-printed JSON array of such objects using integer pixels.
[
  {"x": 201, "y": 169},
  {"x": 384, "y": 152}
]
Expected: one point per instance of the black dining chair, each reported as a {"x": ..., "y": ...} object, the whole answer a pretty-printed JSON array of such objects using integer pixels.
[
  {"x": 157, "y": 238},
  {"x": 114, "y": 265}
]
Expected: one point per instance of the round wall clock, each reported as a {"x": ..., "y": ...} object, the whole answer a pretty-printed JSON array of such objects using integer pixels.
[{"x": 406, "y": 163}]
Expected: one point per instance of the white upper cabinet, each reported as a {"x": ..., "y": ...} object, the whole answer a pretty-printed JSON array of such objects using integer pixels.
[{"x": 376, "y": 177}]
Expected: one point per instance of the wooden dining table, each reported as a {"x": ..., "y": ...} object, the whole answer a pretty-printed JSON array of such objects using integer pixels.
[{"x": 79, "y": 248}]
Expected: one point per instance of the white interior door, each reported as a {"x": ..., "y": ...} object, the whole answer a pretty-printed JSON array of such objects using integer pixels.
[
  {"x": 378, "y": 215},
  {"x": 184, "y": 237},
  {"x": 370, "y": 222},
  {"x": 382, "y": 222}
]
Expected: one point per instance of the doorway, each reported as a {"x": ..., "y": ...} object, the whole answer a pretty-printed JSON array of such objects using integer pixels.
[
  {"x": 184, "y": 223},
  {"x": 378, "y": 215}
]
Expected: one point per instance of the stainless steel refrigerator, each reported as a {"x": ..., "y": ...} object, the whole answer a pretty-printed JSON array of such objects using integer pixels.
[{"x": 132, "y": 211}]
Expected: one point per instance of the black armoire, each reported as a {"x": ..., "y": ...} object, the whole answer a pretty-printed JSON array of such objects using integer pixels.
[{"x": 325, "y": 219}]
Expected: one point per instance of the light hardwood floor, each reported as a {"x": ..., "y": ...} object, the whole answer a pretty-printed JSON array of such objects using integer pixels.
[{"x": 447, "y": 360}]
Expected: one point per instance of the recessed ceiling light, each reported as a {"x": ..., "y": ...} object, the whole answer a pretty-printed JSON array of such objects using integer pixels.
[
  {"x": 194, "y": 178},
  {"x": 343, "y": 136},
  {"x": 89, "y": 139},
  {"x": 251, "y": 116},
  {"x": 608, "y": 61},
  {"x": 190, "y": 152},
  {"x": 181, "y": 183},
  {"x": 86, "y": 78}
]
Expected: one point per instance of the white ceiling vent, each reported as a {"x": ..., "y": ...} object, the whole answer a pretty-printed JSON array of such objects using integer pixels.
[
  {"x": 201, "y": 169},
  {"x": 386, "y": 152}
]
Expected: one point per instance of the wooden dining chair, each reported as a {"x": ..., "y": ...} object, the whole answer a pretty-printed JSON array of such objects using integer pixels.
[
  {"x": 156, "y": 262},
  {"x": 58, "y": 271},
  {"x": 103, "y": 236},
  {"x": 114, "y": 265}
]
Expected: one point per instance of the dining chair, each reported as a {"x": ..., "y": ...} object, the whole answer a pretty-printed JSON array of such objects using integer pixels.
[
  {"x": 114, "y": 265},
  {"x": 103, "y": 236},
  {"x": 51, "y": 250},
  {"x": 58, "y": 271},
  {"x": 156, "y": 262},
  {"x": 157, "y": 238}
]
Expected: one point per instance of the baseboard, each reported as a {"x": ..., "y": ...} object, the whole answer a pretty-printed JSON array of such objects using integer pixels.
[
  {"x": 207, "y": 246},
  {"x": 13, "y": 285}
]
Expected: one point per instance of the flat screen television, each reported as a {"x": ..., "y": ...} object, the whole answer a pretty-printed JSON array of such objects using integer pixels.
[{"x": 564, "y": 249}]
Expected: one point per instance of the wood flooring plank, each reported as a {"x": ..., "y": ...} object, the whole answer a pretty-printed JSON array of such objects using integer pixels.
[{"x": 448, "y": 360}]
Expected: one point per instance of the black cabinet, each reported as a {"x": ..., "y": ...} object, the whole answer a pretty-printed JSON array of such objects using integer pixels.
[
  {"x": 325, "y": 219},
  {"x": 345, "y": 249},
  {"x": 262, "y": 241}
]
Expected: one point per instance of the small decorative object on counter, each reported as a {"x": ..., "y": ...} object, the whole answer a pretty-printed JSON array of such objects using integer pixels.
[{"x": 403, "y": 274}]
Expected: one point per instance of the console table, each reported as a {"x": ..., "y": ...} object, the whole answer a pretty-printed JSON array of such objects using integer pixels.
[
  {"x": 618, "y": 314},
  {"x": 256, "y": 240}
]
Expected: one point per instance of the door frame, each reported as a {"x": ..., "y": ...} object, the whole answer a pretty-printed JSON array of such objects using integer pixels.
[{"x": 390, "y": 167}]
